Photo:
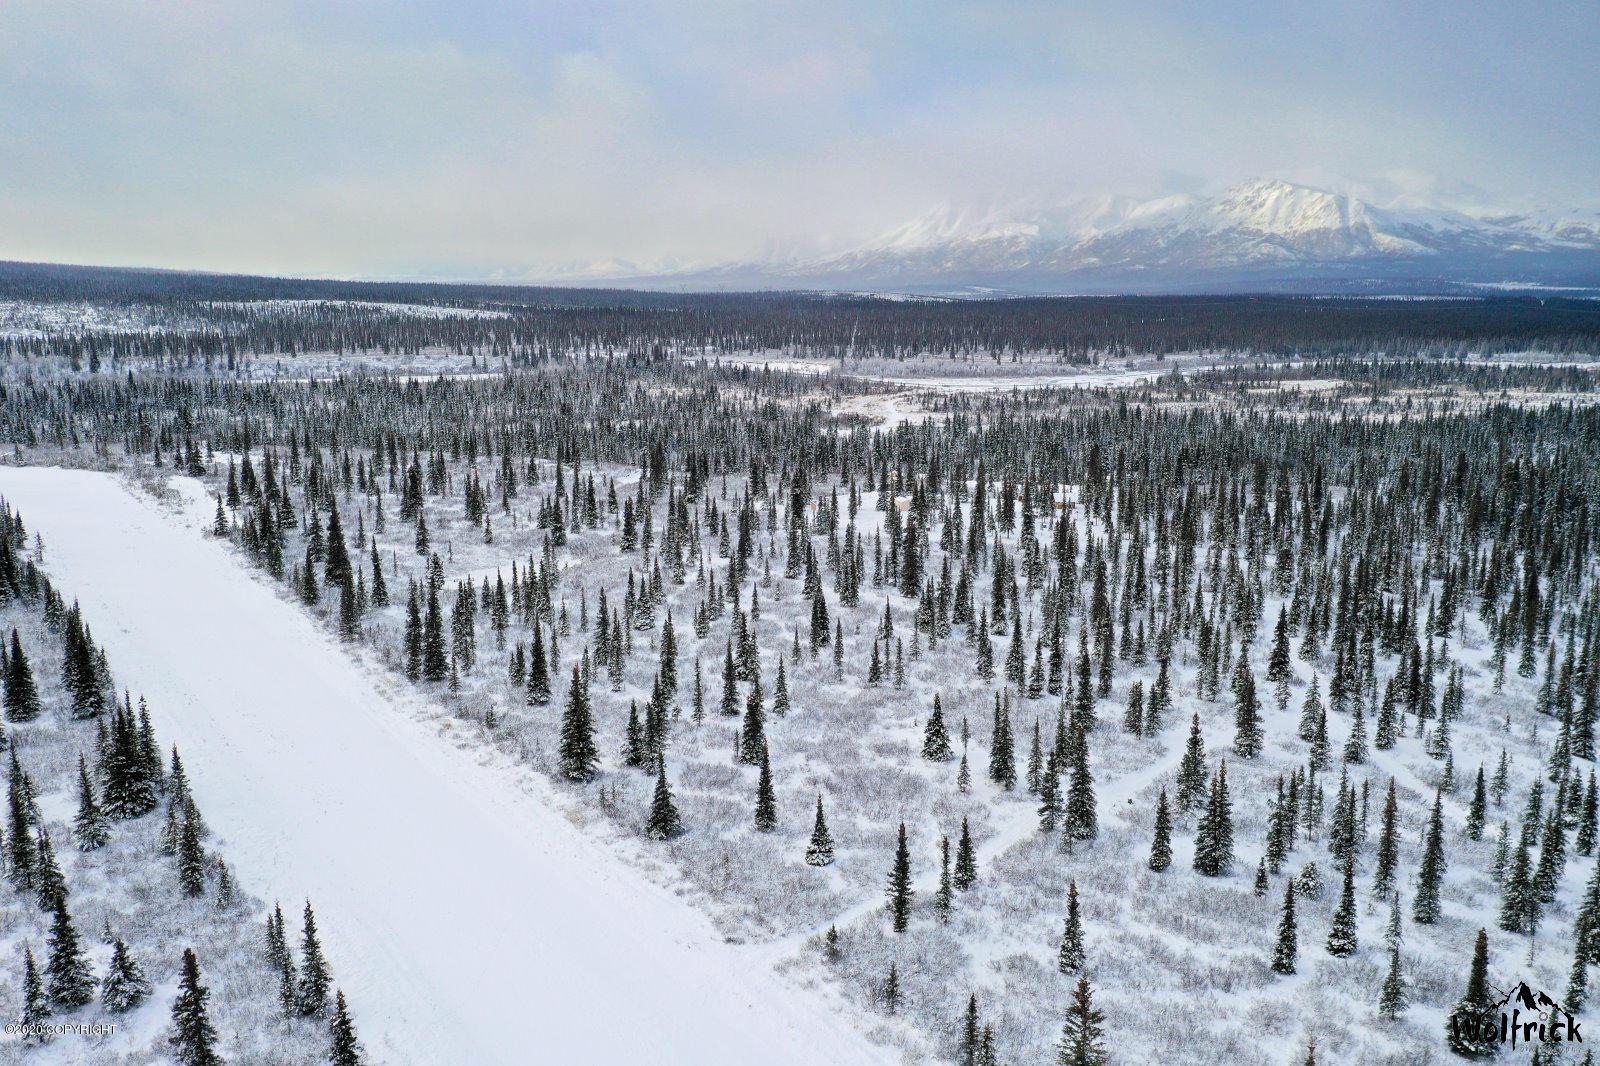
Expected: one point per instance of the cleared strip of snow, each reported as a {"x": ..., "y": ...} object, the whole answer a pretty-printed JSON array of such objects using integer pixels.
[{"x": 466, "y": 918}]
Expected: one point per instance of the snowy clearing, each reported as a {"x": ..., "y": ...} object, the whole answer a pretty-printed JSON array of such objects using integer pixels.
[{"x": 465, "y": 917}]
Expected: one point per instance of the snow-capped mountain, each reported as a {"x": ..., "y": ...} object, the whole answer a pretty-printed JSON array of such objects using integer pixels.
[{"x": 1263, "y": 233}]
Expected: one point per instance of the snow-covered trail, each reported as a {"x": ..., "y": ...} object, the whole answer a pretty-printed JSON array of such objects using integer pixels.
[{"x": 466, "y": 918}]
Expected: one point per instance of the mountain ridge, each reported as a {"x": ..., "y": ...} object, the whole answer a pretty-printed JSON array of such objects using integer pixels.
[{"x": 1266, "y": 232}]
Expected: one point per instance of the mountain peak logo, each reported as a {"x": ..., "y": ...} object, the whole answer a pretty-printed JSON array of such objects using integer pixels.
[{"x": 1525, "y": 997}]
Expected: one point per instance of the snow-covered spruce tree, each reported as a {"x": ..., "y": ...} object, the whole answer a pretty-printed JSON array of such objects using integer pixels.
[
  {"x": 435, "y": 657},
  {"x": 819, "y": 852},
  {"x": 1478, "y": 809},
  {"x": 1082, "y": 1040},
  {"x": 966, "y": 868},
  {"x": 538, "y": 693},
  {"x": 1161, "y": 844},
  {"x": 90, "y": 828},
  {"x": 194, "y": 1038},
  {"x": 1160, "y": 701},
  {"x": 345, "y": 1050},
  {"x": 1392, "y": 994},
  {"x": 35, "y": 1004},
  {"x": 69, "y": 981},
  {"x": 766, "y": 800},
  {"x": 944, "y": 896},
  {"x": 125, "y": 986},
  {"x": 1191, "y": 780},
  {"x": 1519, "y": 903},
  {"x": 191, "y": 857},
  {"x": 1079, "y": 820},
  {"x": 579, "y": 760},
  {"x": 1287, "y": 947},
  {"x": 311, "y": 997},
  {"x": 663, "y": 822},
  {"x": 1002, "y": 759},
  {"x": 900, "y": 892},
  {"x": 1388, "y": 845},
  {"x": 1425, "y": 906},
  {"x": 1468, "y": 1028},
  {"x": 753, "y": 731},
  {"x": 50, "y": 886},
  {"x": 935, "y": 737},
  {"x": 1342, "y": 934},
  {"x": 22, "y": 692},
  {"x": 1246, "y": 712},
  {"x": 1133, "y": 718},
  {"x": 1049, "y": 796},
  {"x": 1213, "y": 848},
  {"x": 1070, "y": 955},
  {"x": 971, "y": 1033}
]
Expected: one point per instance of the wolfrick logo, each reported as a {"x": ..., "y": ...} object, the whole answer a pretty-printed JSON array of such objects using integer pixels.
[{"x": 1524, "y": 1015}]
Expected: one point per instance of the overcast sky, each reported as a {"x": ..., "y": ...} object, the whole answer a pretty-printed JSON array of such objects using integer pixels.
[{"x": 481, "y": 138}]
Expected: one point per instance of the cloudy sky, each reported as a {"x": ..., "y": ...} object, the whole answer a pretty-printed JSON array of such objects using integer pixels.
[{"x": 480, "y": 138}]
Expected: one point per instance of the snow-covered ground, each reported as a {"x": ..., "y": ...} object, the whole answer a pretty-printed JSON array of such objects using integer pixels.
[{"x": 467, "y": 919}]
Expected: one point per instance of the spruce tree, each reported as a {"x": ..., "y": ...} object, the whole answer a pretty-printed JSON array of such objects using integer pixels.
[
  {"x": 191, "y": 857},
  {"x": 1246, "y": 712},
  {"x": 663, "y": 822},
  {"x": 1355, "y": 746},
  {"x": 1425, "y": 907},
  {"x": 1213, "y": 850},
  {"x": 125, "y": 986},
  {"x": 1191, "y": 780},
  {"x": 1392, "y": 995},
  {"x": 753, "y": 733},
  {"x": 21, "y": 855},
  {"x": 22, "y": 693},
  {"x": 435, "y": 658},
  {"x": 1070, "y": 956},
  {"x": 1082, "y": 1037},
  {"x": 49, "y": 884},
  {"x": 935, "y": 737},
  {"x": 413, "y": 638},
  {"x": 946, "y": 892},
  {"x": 1002, "y": 760},
  {"x": 1519, "y": 906},
  {"x": 346, "y": 1049},
  {"x": 312, "y": 995},
  {"x": 1160, "y": 700},
  {"x": 69, "y": 982},
  {"x": 1577, "y": 992},
  {"x": 1388, "y": 846},
  {"x": 1342, "y": 935},
  {"x": 766, "y": 800},
  {"x": 35, "y": 1004},
  {"x": 1288, "y": 943},
  {"x": 193, "y": 1038},
  {"x": 1133, "y": 719},
  {"x": 1079, "y": 817},
  {"x": 1470, "y": 1028},
  {"x": 819, "y": 852},
  {"x": 89, "y": 828},
  {"x": 1478, "y": 809},
  {"x": 971, "y": 1034},
  {"x": 1161, "y": 846},
  {"x": 1049, "y": 796},
  {"x": 900, "y": 885},
  {"x": 966, "y": 870},
  {"x": 579, "y": 760}
]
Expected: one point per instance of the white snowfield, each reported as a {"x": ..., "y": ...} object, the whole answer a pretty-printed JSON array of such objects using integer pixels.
[{"x": 468, "y": 921}]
